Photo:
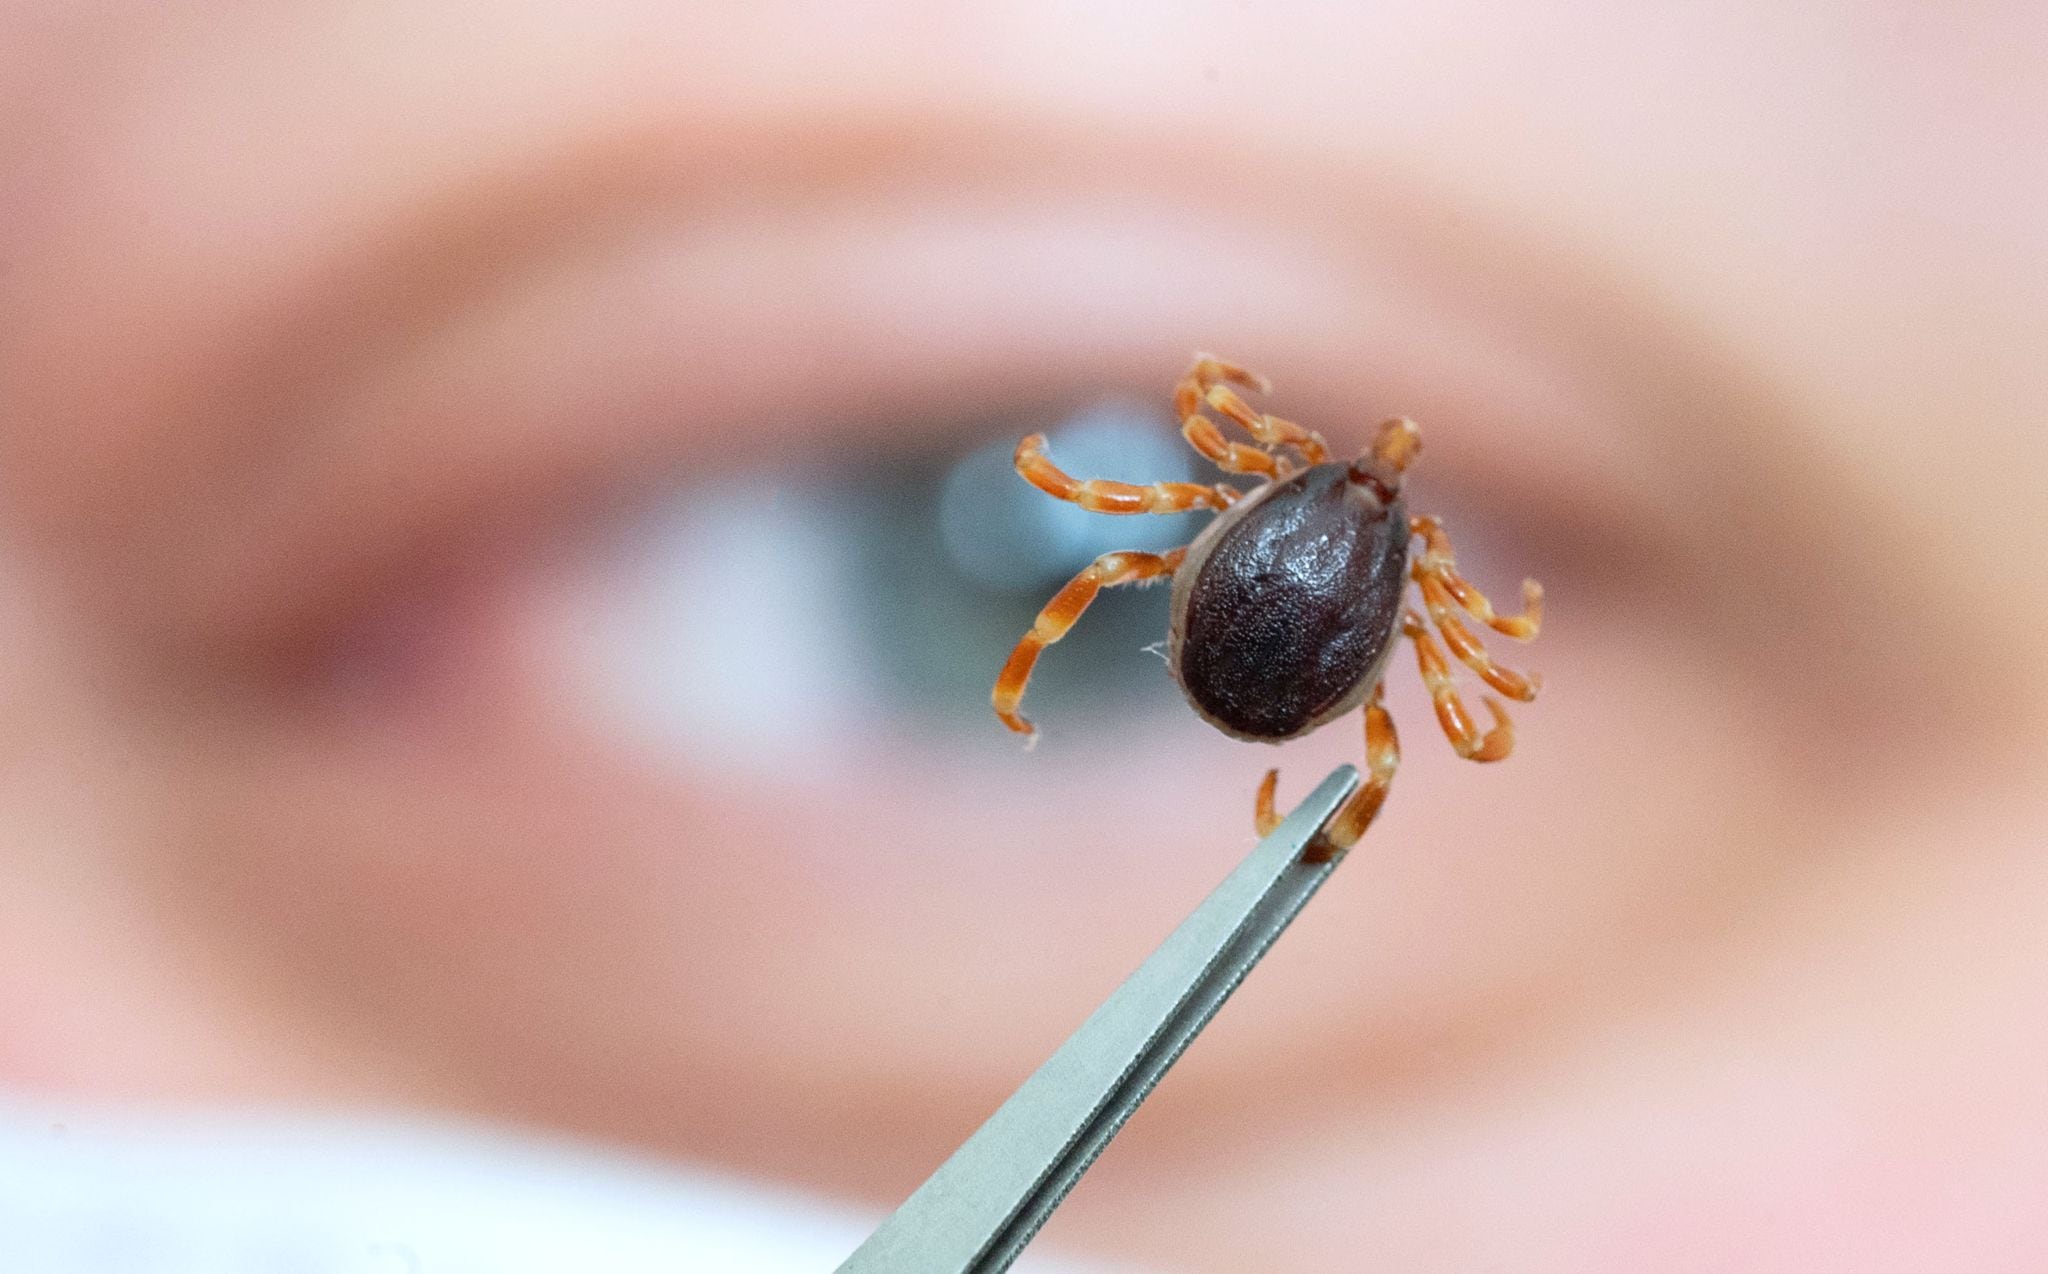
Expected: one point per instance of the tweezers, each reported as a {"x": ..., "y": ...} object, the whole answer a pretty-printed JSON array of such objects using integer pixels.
[{"x": 976, "y": 1213}]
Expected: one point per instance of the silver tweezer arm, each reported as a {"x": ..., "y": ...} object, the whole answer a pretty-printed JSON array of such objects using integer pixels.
[{"x": 976, "y": 1213}]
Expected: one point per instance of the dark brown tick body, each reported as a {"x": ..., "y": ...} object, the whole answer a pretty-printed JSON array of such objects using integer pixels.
[{"x": 1286, "y": 607}]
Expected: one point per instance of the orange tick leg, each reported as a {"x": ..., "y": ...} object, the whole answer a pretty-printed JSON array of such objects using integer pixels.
[
  {"x": 1467, "y": 647},
  {"x": 1099, "y": 496},
  {"x": 1189, "y": 397},
  {"x": 1382, "y": 758},
  {"x": 1264, "y": 817},
  {"x": 1270, "y": 430},
  {"x": 1231, "y": 457},
  {"x": 1207, "y": 373},
  {"x": 1438, "y": 560},
  {"x": 1451, "y": 714},
  {"x": 1059, "y": 615}
]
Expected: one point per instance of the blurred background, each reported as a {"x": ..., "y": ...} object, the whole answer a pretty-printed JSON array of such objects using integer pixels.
[{"x": 507, "y": 530}]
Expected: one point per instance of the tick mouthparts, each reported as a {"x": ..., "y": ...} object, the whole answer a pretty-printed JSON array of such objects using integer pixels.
[
  {"x": 1380, "y": 469},
  {"x": 1400, "y": 441},
  {"x": 1367, "y": 472}
]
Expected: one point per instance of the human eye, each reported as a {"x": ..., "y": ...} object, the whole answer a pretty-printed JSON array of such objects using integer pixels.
[{"x": 774, "y": 614}]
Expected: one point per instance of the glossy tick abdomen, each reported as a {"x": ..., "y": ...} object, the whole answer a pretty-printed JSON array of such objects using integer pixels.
[{"x": 1288, "y": 605}]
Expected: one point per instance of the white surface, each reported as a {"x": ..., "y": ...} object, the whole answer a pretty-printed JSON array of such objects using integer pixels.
[{"x": 105, "y": 1192}]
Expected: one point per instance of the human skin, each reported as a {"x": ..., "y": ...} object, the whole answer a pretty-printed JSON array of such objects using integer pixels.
[{"x": 327, "y": 335}]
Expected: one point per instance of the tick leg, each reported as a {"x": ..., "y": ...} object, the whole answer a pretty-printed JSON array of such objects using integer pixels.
[
  {"x": 1264, "y": 817},
  {"x": 1438, "y": 560},
  {"x": 1382, "y": 758},
  {"x": 1451, "y": 714},
  {"x": 1468, "y": 648},
  {"x": 1231, "y": 457},
  {"x": 1100, "y": 496},
  {"x": 1202, "y": 433},
  {"x": 1270, "y": 430},
  {"x": 1059, "y": 615}
]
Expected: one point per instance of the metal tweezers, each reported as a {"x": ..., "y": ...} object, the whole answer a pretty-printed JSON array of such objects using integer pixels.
[{"x": 976, "y": 1213}]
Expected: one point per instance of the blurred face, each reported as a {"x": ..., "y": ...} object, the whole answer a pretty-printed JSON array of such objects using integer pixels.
[{"x": 510, "y": 536}]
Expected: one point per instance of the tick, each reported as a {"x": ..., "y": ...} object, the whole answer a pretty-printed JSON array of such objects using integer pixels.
[{"x": 1288, "y": 605}]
